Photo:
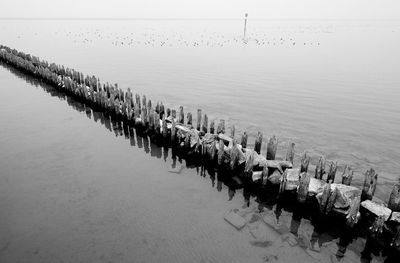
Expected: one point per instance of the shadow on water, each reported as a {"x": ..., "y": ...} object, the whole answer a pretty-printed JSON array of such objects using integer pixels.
[{"x": 281, "y": 213}]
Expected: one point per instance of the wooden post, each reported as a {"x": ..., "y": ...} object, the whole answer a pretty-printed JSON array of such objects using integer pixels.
[
  {"x": 258, "y": 142},
  {"x": 325, "y": 197},
  {"x": 347, "y": 175},
  {"x": 173, "y": 114},
  {"x": 248, "y": 170},
  {"x": 173, "y": 130},
  {"x": 302, "y": 190},
  {"x": 290, "y": 152},
  {"x": 233, "y": 131},
  {"x": 352, "y": 215},
  {"x": 204, "y": 126},
  {"x": 394, "y": 199},
  {"x": 157, "y": 123},
  {"x": 212, "y": 127},
  {"x": 371, "y": 178},
  {"x": 221, "y": 127},
  {"x": 181, "y": 115},
  {"x": 234, "y": 155},
  {"x": 282, "y": 185},
  {"x": 221, "y": 152},
  {"x": 151, "y": 120},
  {"x": 164, "y": 127},
  {"x": 272, "y": 146},
  {"x": 320, "y": 168},
  {"x": 331, "y": 172},
  {"x": 187, "y": 141},
  {"x": 244, "y": 140},
  {"x": 168, "y": 112},
  {"x": 265, "y": 173},
  {"x": 305, "y": 160},
  {"x": 198, "y": 126},
  {"x": 189, "y": 119}
]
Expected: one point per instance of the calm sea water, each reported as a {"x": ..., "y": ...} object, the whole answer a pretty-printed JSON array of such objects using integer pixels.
[{"x": 73, "y": 191}]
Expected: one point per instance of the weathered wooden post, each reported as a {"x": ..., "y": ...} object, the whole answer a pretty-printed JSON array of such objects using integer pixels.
[
  {"x": 248, "y": 170},
  {"x": 189, "y": 119},
  {"x": 221, "y": 127},
  {"x": 272, "y": 146},
  {"x": 173, "y": 114},
  {"x": 181, "y": 115},
  {"x": 326, "y": 192},
  {"x": 234, "y": 155},
  {"x": 258, "y": 142},
  {"x": 164, "y": 128},
  {"x": 157, "y": 125},
  {"x": 243, "y": 141},
  {"x": 320, "y": 168},
  {"x": 265, "y": 173},
  {"x": 347, "y": 175},
  {"x": 212, "y": 127},
  {"x": 331, "y": 173},
  {"x": 245, "y": 25},
  {"x": 198, "y": 126},
  {"x": 204, "y": 126},
  {"x": 371, "y": 178},
  {"x": 290, "y": 152},
  {"x": 151, "y": 120},
  {"x": 352, "y": 215},
  {"x": 168, "y": 112},
  {"x": 233, "y": 131},
  {"x": 173, "y": 130},
  {"x": 221, "y": 152},
  {"x": 394, "y": 199},
  {"x": 304, "y": 162},
  {"x": 302, "y": 190}
]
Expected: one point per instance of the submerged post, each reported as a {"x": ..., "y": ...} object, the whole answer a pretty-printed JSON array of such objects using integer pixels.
[
  {"x": 244, "y": 140},
  {"x": 245, "y": 25},
  {"x": 290, "y": 152},
  {"x": 320, "y": 168},
  {"x": 257, "y": 143},
  {"x": 198, "y": 119},
  {"x": 305, "y": 161}
]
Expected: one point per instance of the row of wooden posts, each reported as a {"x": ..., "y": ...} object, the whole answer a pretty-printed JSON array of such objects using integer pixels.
[{"x": 203, "y": 138}]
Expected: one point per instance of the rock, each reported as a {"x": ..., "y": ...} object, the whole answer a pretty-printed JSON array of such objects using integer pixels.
[
  {"x": 292, "y": 179},
  {"x": 377, "y": 209},
  {"x": 235, "y": 220},
  {"x": 290, "y": 239},
  {"x": 345, "y": 195},
  {"x": 316, "y": 186},
  {"x": 275, "y": 177},
  {"x": 395, "y": 217},
  {"x": 256, "y": 176},
  {"x": 261, "y": 235},
  {"x": 314, "y": 254}
]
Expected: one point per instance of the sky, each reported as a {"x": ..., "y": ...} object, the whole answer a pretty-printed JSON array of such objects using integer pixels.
[{"x": 263, "y": 9}]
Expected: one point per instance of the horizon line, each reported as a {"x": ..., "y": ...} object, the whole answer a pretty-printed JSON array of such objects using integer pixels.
[{"x": 182, "y": 18}]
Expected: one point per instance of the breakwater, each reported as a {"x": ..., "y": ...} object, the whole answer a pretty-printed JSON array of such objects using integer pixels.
[{"x": 209, "y": 142}]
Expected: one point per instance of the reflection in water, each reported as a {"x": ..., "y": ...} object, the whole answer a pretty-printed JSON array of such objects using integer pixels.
[{"x": 298, "y": 224}]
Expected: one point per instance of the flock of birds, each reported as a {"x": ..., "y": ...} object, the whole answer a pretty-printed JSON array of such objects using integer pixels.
[{"x": 205, "y": 39}]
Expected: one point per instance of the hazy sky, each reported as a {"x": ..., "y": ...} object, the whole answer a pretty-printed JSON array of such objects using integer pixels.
[{"x": 292, "y": 9}]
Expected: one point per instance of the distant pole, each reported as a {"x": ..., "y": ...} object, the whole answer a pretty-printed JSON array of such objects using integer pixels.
[{"x": 245, "y": 23}]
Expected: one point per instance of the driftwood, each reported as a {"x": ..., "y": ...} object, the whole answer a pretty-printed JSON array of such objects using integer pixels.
[
  {"x": 272, "y": 146},
  {"x": 370, "y": 181}
]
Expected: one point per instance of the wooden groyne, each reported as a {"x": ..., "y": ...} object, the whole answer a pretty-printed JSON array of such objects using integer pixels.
[{"x": 210, "y": 143}]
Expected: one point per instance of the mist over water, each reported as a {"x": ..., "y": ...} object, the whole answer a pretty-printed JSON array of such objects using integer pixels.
[{"x": 332, "y": 87}]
